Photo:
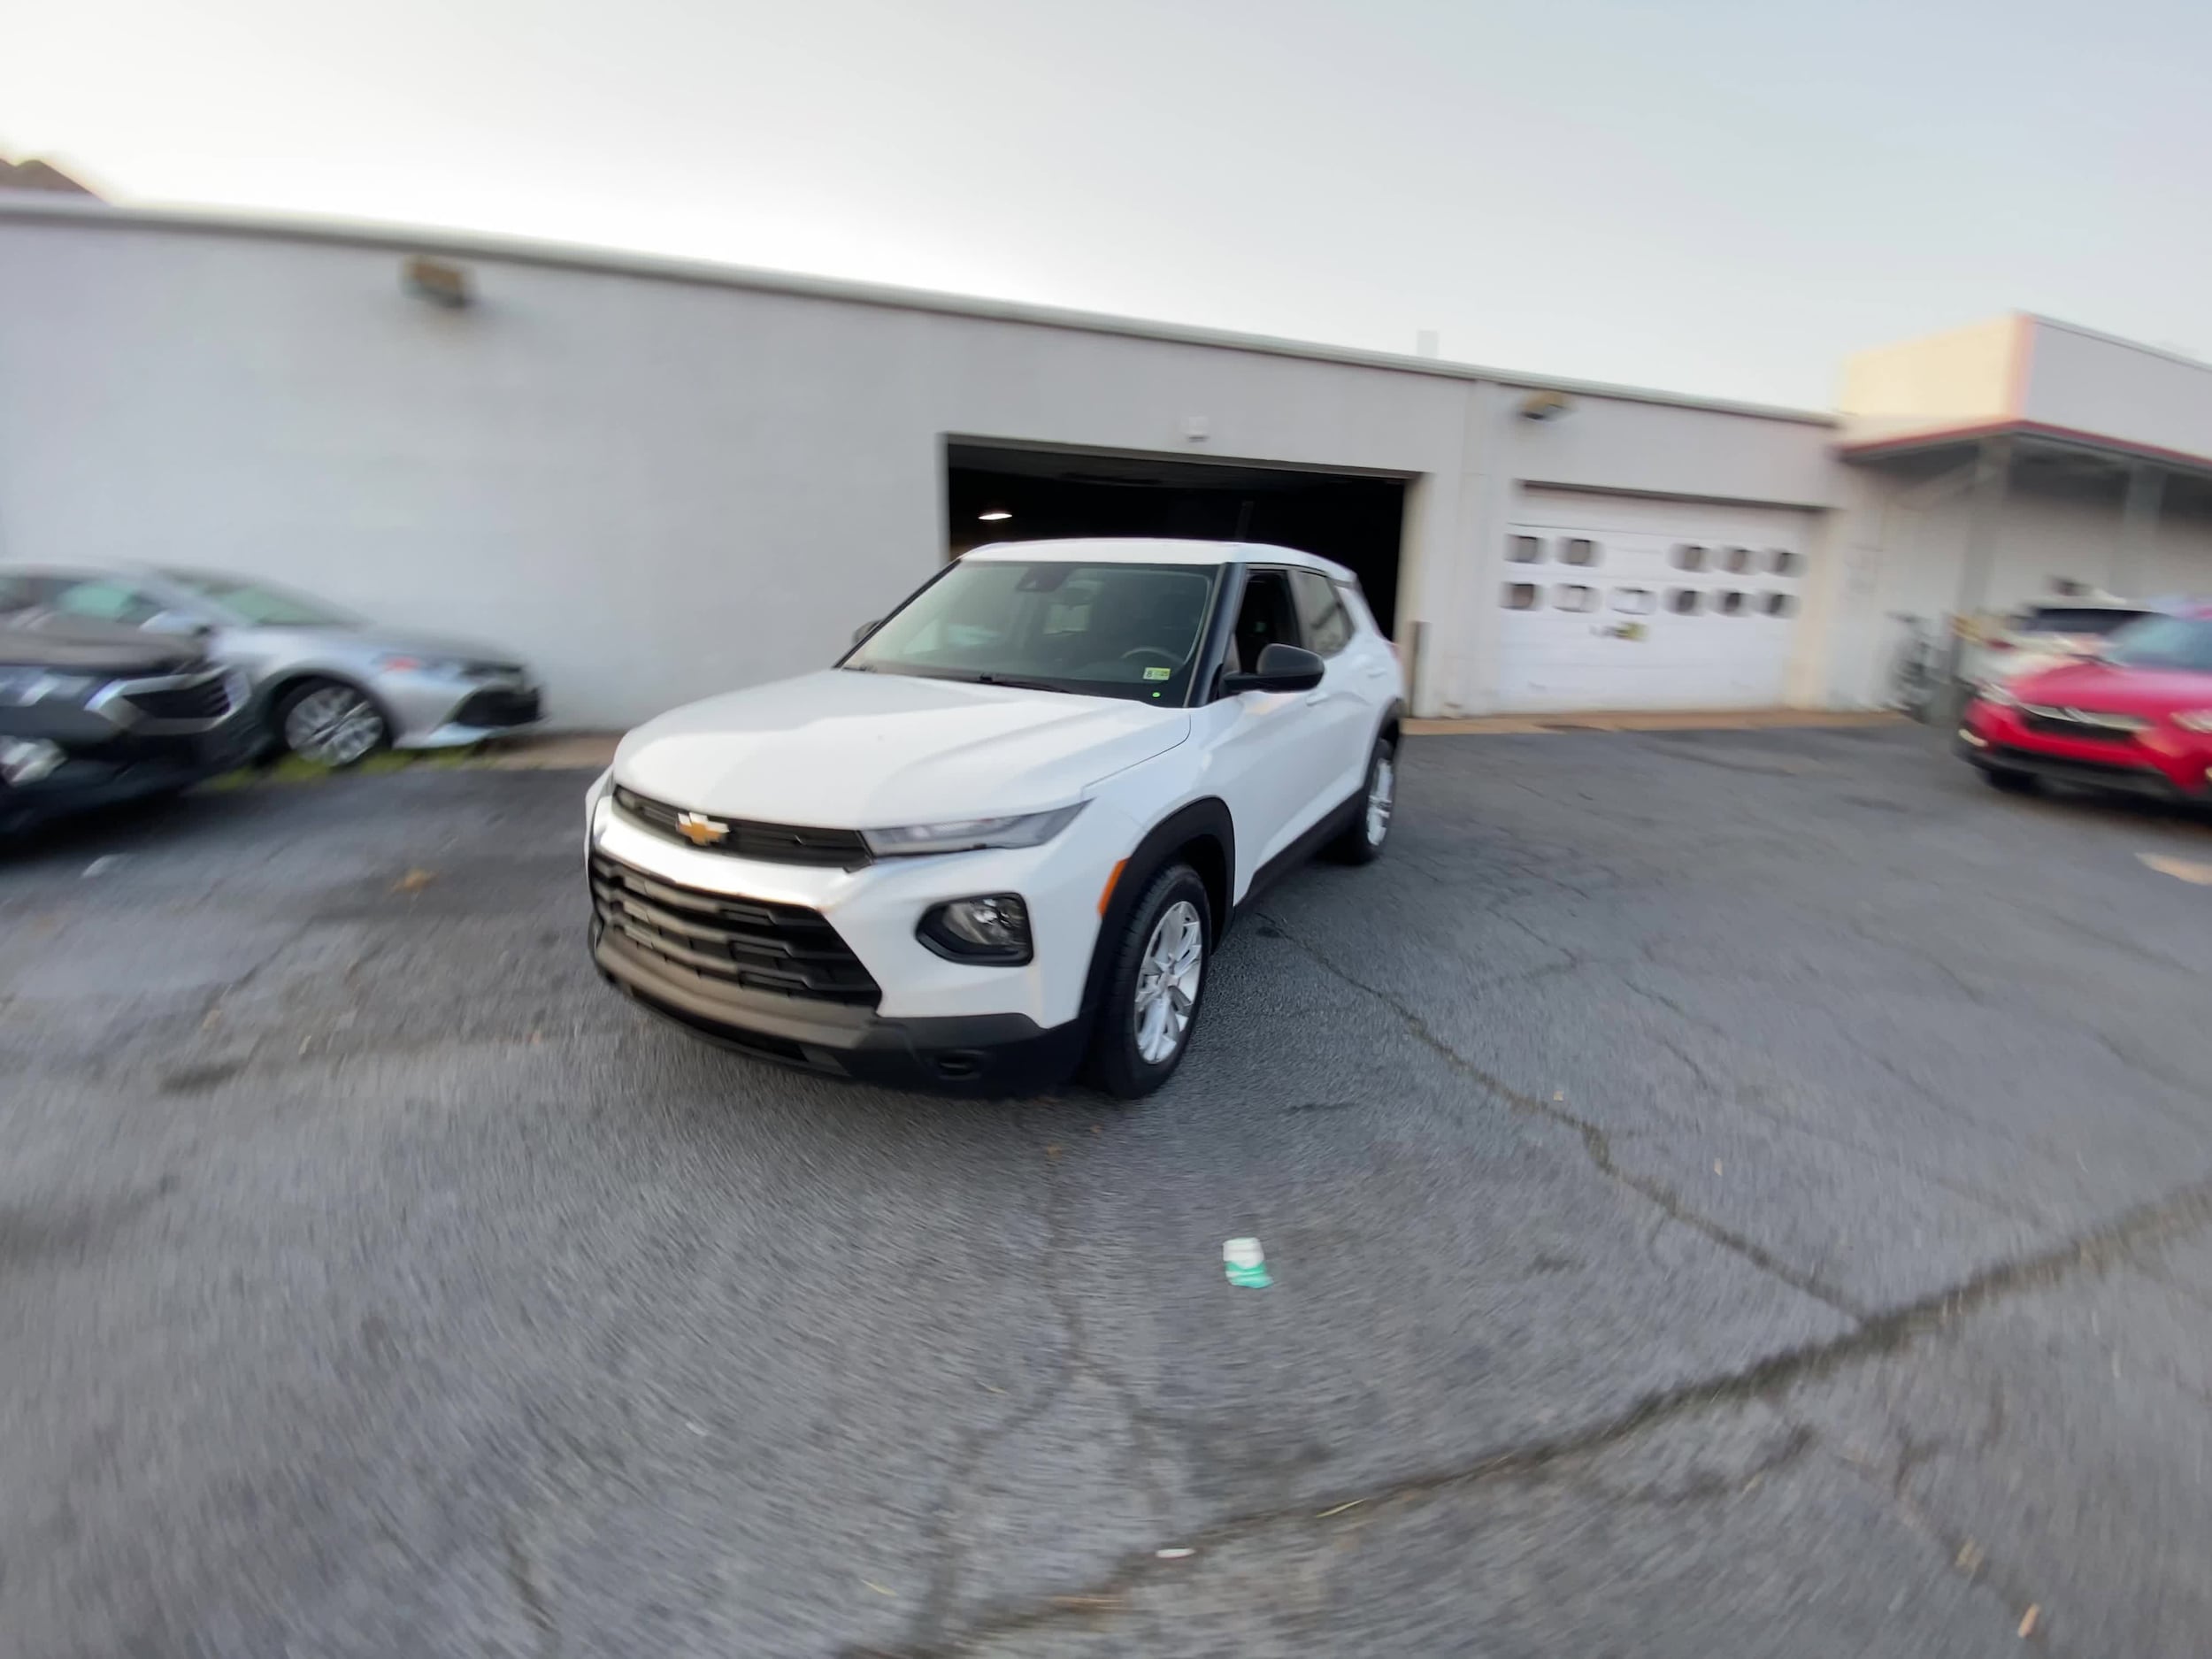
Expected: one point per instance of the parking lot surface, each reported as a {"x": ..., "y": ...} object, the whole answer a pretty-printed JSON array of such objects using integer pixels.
[{"x": 1726, "y": 1193}]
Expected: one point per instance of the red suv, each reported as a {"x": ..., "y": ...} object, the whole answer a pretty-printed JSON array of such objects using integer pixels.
[{"x": 2138, "y": 718}]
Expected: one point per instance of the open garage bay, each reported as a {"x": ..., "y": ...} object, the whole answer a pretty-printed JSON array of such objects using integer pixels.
[{"x": 1728, "y": 1192}]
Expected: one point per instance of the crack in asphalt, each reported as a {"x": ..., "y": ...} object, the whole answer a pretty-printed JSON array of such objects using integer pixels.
[
  {"x": 522, "y": 1574},
  {"x": 1596, "y": 1144},
  {"x": 1741, "y": 1099},
  {"x": 1077, "y": 1364},
  {"x": 2179, "y": 1213}
]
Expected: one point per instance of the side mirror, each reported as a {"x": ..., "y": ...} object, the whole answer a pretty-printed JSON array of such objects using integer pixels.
[
  {"x": 1282, "y": 668},
  {"x": 865, "y": 629}
]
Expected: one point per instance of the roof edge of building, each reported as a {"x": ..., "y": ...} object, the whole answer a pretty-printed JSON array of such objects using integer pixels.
[{"x": 671, "y": 268}]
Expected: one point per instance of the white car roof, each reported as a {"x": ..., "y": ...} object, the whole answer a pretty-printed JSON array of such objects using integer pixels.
[{"x": 1158, "y": 550}]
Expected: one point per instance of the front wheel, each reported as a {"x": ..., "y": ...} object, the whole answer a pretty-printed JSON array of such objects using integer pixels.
[
  {"x": 1157, "y": 974},
  {"x": 1363, "y": 840},
  {"x": 330, "y": 723}
]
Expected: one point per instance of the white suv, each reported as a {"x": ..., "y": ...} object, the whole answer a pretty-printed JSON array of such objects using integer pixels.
[{"x": 1006, "y": 832}]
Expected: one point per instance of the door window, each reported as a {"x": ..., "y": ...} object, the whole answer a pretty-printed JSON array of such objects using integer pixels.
[
  {"x": 1328, "y": 630},
  {"x": 1266, "y": 616}
]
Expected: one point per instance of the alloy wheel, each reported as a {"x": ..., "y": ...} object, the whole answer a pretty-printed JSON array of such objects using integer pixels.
[
  {"x": 332, "y": 726},
  {"x": 1167, "y": 982}
]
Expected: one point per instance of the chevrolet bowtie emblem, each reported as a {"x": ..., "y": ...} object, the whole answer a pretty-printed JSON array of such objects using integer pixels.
[{"x": 700, "y": 830}]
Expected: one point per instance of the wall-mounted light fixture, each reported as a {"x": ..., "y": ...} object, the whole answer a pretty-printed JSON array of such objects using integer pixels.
[
  {"x": 994, "y": 513},
  {"x": 1546, "y": 406},
  {"x": 437, "y": 282}
]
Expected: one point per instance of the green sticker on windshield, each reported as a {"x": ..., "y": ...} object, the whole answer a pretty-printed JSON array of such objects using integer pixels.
[{"x": 1159, "y": 673}]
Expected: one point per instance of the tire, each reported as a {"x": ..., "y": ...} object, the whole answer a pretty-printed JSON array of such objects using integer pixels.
[
  {"x": 1369, "y": 832},
  {"x": 330, "y": 723},
  {"x": 1136, "y": 1044},
  {"x": 2011, "y": 781}
]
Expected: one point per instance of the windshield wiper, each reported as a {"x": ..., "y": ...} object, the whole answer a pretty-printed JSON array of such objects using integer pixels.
[{"x": 1012, "y": 684}]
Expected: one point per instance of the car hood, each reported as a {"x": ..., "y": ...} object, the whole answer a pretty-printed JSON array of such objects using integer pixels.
[
  {"x": 78, "y": 645},
  {"x": 2119, "y": 690},
  {"x": 841, "y": 749}
]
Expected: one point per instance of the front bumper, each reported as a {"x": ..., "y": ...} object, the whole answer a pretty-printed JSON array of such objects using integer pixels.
[
  {"x": 2164, "y": 764},
  {"x": 105, "y": 768},
  {"x": 981, "y": 1054},
  {"x": 438, "y": 711}
]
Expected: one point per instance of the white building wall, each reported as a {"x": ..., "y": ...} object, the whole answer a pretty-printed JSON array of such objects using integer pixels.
[
  {"x": 1904, "y": 551},
  {"x": 656, "y": 488}
]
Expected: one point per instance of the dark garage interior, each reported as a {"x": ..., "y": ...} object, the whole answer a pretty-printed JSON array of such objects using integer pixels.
[{"x": 1041, "y": 495}]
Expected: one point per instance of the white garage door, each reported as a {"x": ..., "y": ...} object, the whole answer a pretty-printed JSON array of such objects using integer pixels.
[{"x": 1625, "y": 602}]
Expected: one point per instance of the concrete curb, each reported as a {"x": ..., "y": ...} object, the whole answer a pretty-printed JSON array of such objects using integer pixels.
[{"x": 1670, "y": 720}]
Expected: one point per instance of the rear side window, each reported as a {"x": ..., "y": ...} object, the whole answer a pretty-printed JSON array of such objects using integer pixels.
[
  {"x": 2096, "y": 619},
  {"x": 107, "y": 600},
  {"x": 1322, "y": 614}
]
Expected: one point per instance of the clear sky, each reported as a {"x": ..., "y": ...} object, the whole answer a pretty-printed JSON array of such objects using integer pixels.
[{"x": 1721, "y": 196}]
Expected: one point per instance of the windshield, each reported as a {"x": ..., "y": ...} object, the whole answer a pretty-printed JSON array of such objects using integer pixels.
[
  {"x": 1097, "y": 630},
  {"x": 260, "y": 604},
  {"x": 2184, "y": 642}
]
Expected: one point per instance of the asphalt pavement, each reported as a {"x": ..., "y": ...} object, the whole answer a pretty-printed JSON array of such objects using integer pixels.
[{"x": 1741, "y": 1193}]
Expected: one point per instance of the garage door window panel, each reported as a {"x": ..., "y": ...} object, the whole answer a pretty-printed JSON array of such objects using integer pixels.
[{"x": 1569, "y": 596}]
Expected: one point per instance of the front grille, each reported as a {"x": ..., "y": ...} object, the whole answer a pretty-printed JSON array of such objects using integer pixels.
[
  {"x": 207, "y": 698},
  {"x": 497, "y": 706},
  {"x": 2099, "y": 728},
  {"x": 761, "y": 946},
  {"x": 771, "y": 843}
]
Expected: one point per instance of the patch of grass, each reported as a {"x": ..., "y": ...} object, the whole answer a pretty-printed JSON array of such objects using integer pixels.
[{"x": 290, "y": 768}]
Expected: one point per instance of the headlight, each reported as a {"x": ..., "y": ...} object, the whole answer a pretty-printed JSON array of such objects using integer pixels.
[
  {"x": 1028, "y": 829},
  {"x": 27, "y": 759},
  {"x": 23, "y": 687},
  {"x": 406, "y": 662},
  {"x": 1996, "y": 696},
  {"x": 2195, "y": 721},
  {"x": 993, "y": 929}
]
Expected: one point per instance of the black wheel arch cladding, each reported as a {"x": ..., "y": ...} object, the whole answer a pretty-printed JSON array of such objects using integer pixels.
[{"x": 1203, "y": 835}]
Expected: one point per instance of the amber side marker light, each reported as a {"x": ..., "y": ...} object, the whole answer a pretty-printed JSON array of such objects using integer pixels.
[{"x": 1113, "y": 879}]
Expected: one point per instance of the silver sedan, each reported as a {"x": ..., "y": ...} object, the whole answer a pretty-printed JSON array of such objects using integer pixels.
[{"x": 329, "y": 686}]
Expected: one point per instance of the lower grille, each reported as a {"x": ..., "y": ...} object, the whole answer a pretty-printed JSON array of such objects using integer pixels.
[
  {"x": 498, "y": 706},
  {"x": 771, "y": 843},
  {"x": 207, "y": 698},
  {"x": 761, "y": 946},
  {"x": 2094, "y": 774}
]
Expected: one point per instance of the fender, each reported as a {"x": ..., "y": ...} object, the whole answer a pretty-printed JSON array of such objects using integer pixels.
[{"x": 1204, "y": 820}]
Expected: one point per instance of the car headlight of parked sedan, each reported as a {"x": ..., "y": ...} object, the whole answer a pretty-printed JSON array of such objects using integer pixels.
[
  {"x": 2194, "y": 719},
  {"x": 21, "y": 687},
  {"x": 446, "y": 667}
]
